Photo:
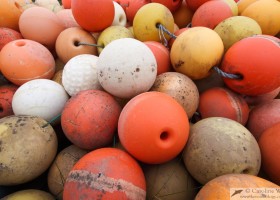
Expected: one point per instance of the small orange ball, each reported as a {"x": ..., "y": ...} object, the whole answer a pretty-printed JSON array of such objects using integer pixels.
[
  {"x": 105, "y": 173},
  {"x": 68, "y": 45},
  {"x": 10, "y": 12},
  {"x": 222, "y": 102},
  {"x": 161, "y": 54},
  {"x": 23, "y": 60},
  {"x": 269, "y": 143},
  {"x": 89, "y": 119},
  {"x": 153, "y": 127},
  {"x": 93, "y": 15}
]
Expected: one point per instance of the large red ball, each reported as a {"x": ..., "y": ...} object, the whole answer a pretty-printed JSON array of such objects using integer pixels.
[
  {"x": 93, "y": 15},
  {"x": 256, "y": 59},
  {"x": 153, "y": 127},
  {"x": 105, "y": 173},
  {"x": 90, "y": 118}
]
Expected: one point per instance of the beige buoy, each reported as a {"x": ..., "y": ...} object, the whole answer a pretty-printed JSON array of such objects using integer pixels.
[
  {"x": 181, "y": 88},
  {"x": 220, "y": 146},
  {"x": 28, "y": 146}
]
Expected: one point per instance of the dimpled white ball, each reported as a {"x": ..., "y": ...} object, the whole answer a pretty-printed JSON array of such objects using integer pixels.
[
  {"x": 126, "y": 67},
  {"x": 79, "y": 73},
  {"x": 120, "y": 16},
  {"x": 40, "y": 97}
]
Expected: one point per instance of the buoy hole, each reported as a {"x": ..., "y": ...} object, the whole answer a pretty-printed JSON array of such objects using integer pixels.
[
  {"x": 76, "y": 43},
  {"x": 240, "y": 76},
  {"x": 20, "y": 43},
  {"x": 164, "y": 135},
  {"x": 158, "y": 25}
]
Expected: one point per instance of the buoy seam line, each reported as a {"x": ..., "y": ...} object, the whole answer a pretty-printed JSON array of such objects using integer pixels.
[{"x": 217, "y": 69}]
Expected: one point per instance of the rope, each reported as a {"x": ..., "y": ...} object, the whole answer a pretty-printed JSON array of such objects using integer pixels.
[
  {"x": 88, "y": 44},
  {"x": 162, "y": 37},
  {"x": 226, "y": 75}
]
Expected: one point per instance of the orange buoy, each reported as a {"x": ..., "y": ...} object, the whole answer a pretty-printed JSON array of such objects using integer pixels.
[
  {"x": 223, "y": 187},
  {"x": 74, "y": 41},
  {"x": 23, "y": 60},
  {"x": 10, "y": 12},
  {"x": 93, "y": 15},
  {"x": 153, "y": 127},
  {"x": 161, "y": 54},
  {"x": 222, "y": 102},
  {"x": 95, "y": 126},
  {"x": 259, "y": 72},
  {"x": 105, "y": 173}
]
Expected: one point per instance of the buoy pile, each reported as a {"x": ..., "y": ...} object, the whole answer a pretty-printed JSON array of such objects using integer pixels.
[{"x": 139, "y": 99}]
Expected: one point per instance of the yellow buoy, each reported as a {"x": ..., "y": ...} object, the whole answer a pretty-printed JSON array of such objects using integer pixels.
[
  {"x": 236, "y": 28},
  {"x": 195, "y": 51}
]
